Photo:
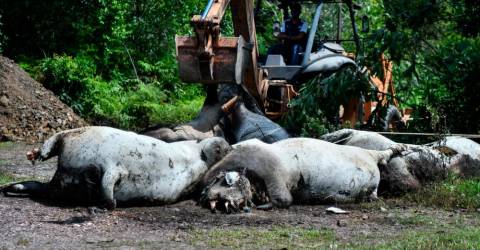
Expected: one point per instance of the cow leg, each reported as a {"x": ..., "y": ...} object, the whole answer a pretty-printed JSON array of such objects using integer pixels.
[
  {"x": 110, "y": 178},
  {"x": 384, "y": 156},
  {"x": 373, "y": 196},
  {"x": 25, "y": 189}
]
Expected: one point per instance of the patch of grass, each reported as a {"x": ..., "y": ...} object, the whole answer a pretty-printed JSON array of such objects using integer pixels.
[
  {"x": 23, "y": 242},
  {"x": 459, "y": 238},
  {"x": 6, "y": 178},
  {"x": 274, "y": 238},
  {"x": 178, "y": 112},
  {"x": 414, "y": 220},
  {"x": 454, "y": 192},
  {"x": 423, "y": 232},
  {"x": 6, "y": 145}
]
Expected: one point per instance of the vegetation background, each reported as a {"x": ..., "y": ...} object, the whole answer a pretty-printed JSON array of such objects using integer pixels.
[{"x": 114, "y": 62}]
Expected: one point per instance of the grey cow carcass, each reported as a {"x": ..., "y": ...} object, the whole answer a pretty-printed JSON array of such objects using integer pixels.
[
  {"x": 419, "y": 164},
  {"x": 103, "y": 166}
]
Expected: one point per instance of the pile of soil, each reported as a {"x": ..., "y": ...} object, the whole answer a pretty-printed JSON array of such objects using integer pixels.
[{"x": 28, "y": 111}]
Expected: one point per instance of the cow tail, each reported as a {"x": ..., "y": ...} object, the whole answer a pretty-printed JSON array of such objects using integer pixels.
[{"x": 51, "y": 146}]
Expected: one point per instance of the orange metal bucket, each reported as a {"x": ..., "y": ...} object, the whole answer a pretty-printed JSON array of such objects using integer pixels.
[{"x": 193, "y": 70}]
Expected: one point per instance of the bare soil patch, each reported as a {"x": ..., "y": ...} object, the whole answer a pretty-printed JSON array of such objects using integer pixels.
[
  {"x": 35, "y": 224},
  {"x": 28, "y": 111}
]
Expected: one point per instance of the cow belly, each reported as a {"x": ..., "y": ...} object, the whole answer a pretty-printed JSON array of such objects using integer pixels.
[
  {"x": 343, "y": 181},
  {"x": 160, "y": 185}
]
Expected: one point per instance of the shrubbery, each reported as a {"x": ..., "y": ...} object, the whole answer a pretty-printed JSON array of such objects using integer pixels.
[{"x": 126, "y": 103}]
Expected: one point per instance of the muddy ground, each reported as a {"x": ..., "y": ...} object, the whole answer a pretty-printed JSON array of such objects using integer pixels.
[{"x": 32, "y": 224}]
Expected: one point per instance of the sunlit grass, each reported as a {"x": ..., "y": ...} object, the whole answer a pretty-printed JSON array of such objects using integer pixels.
[
  {"x": 7, "y": 178},
  {"x": 454, "y": 192},
  {"x": 459, "y": 238},
  {"x": 274, "y": 238}
]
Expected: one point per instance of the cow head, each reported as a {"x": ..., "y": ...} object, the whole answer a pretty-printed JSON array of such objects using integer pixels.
[
  {"x": 228, "y": 191},
  {"x": 214, "y": 149}
]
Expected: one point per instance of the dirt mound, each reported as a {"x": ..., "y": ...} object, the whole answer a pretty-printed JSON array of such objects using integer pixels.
[{"x": 28, "y": 111}]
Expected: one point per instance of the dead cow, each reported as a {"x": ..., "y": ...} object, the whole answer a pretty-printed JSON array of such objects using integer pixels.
[
  {"x": 298, "y": 170},
  {"x": 419, "y": 164},
  {"x": 102, "y": 164}
]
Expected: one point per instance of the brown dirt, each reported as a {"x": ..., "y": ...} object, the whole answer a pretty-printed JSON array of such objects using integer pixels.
[
  {"x": 39, "y": 225},
  {"x": 28, "y": 111}
]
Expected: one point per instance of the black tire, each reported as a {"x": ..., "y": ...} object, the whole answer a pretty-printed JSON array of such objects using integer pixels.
[{"x": 392, "y": 116}]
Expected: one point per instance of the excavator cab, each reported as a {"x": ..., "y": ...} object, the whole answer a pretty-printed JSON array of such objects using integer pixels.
[{"x": 210, "y": 58}]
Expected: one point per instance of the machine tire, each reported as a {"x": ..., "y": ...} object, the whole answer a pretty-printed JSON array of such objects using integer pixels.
[{"x": 392, "y": 116}]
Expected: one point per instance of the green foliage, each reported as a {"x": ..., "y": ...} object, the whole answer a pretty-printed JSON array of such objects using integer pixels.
[
  {"x": 315, "y": 111},
  {"x": 67, "y": 77},
  {"x": 265, "y": 17},
  {"x": 126, "y": 103},
  {"x": 457, "y": 89}
]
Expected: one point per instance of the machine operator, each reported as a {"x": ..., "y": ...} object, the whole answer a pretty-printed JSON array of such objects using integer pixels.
[{"x": 293, "y": 33}]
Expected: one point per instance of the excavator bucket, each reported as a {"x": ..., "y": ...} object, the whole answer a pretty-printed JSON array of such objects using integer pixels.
[{"x": 223, "y": 66}]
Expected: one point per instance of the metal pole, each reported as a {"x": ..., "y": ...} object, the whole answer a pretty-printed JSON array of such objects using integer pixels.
[
  {"x": 311, "y": 35},
  {"x": 207, "y": 9},
  {"x": 354, "y": 26},
  {"x": 339, "y": 23},
  {"x": 429, "y": 134}
]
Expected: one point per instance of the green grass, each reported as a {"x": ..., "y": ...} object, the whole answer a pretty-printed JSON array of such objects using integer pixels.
[
  {"x": 274, "y": 238},
  {"x": 458, "y": 238},
  {"x": 7, "y": 178},
  {"x": 433, "y": 236},
  {"x": 178, "y": 112},
  {"x": 415, "y": 220},
  {"x": 6, "y": 145},
  {"x": 451, "y": 193}
]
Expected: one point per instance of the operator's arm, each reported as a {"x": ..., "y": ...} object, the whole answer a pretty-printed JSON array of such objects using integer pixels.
[{"x": 298, "y": 38}]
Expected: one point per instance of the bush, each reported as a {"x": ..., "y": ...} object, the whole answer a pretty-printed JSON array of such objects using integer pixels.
[
  {"x": 315, "y": 111},
  {"x": 157, "y": 97},
  {"x": 68, "y": 77}
]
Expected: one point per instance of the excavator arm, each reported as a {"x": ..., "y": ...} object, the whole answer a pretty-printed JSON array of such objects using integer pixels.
[{"x": 209, "y": 58}]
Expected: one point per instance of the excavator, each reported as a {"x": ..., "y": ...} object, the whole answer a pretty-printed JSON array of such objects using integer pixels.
[{"x": 209, "y": 58}]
